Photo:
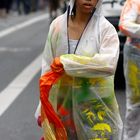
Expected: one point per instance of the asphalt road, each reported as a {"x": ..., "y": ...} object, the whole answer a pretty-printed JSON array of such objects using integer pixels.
[{"x": 17, "y": 51}]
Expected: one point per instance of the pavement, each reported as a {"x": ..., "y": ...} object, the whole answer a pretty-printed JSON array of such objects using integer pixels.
[
  {"x": 19, "y": 51},
  {"x": 13, "y": 18}
]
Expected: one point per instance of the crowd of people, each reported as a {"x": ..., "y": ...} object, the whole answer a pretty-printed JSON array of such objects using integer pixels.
[
  {"x": 21, "y": 6},
  {"x": 28, "y": 6}
]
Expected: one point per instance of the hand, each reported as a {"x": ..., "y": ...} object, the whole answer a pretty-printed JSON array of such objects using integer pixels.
[{"x": 57, "y": 66}]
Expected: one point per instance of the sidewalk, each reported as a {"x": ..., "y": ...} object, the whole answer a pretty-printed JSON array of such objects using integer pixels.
[{"x": 13, "y": 19}]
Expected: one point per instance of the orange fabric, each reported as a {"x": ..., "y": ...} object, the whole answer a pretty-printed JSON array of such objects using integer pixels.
[{"x": 46, "y": 82}]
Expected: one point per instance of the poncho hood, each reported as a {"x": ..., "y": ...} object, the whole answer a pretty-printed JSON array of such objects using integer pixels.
[{"x": 98, "y": 6}]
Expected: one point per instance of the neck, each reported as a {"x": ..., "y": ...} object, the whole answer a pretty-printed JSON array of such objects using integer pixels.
[{"x": 80, "y": 17}]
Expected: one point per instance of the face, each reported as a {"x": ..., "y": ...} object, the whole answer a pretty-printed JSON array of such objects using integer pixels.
[{"x": 86, "y": 6}]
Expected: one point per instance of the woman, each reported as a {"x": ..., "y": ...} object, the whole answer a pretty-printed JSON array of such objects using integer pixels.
[
  {"x": 88, "y": 48},
  {"x": 130, "y": 26}
]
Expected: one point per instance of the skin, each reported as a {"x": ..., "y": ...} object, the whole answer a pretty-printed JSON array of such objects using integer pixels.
[{"x": 83, "y": 12}]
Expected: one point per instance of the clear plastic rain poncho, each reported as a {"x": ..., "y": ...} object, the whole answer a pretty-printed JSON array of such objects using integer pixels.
[
  {"x": 83, "y": 97},
  {"x": 130, "y": 26}
]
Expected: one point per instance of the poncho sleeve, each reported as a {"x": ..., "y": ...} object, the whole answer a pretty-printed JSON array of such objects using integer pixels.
[
  {"x": 48, "y": 56},
  {"x": 101, "y": 64}
]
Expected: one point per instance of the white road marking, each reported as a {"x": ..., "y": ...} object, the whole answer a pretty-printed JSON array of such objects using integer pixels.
[
  {"x": 22, "y": 25},
  {"x": 15, "y": 88},
  {"x": 15, "y": 49}
]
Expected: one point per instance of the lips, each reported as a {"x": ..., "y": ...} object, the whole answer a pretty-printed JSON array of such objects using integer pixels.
[{"x": 88, "y": 5}]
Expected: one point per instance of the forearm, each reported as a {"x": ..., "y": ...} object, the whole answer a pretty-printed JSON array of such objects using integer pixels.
[{"x": 82, "y": 66}]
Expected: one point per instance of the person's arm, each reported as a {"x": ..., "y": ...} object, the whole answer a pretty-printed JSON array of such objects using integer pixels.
[
  {"x": 129, "y": 19},
  {"x": 101, "y": 64},
  {"x": 47, "y": 59},
  {"x": 48, "y": 56}
]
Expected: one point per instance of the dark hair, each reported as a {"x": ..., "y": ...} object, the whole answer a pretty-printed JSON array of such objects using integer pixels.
[{"x": 73, "y": 12}]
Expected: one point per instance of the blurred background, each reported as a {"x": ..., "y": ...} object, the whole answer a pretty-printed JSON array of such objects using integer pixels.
[
  {"x": 24, "y": 25},
  {"x": 20, "y": 7}
]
